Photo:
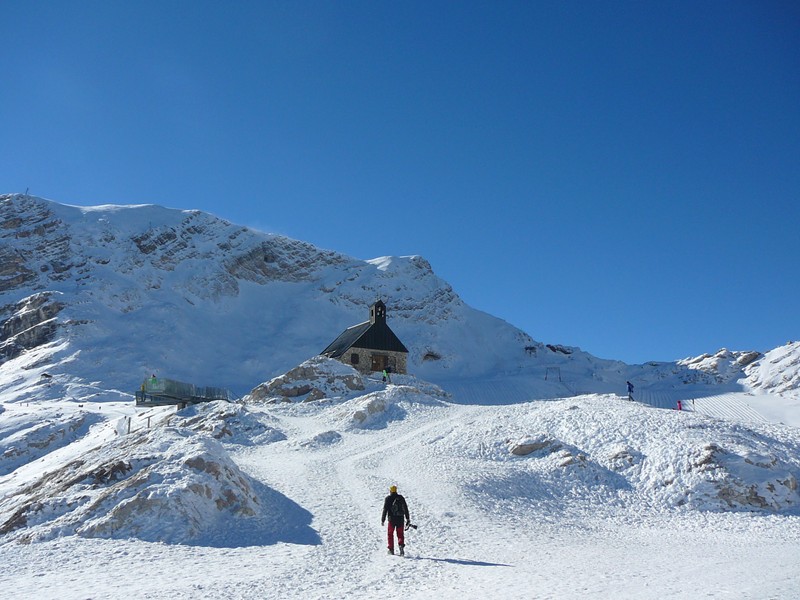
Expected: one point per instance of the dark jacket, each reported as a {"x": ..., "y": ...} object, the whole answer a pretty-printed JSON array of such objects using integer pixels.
[{"x": 397, "y": 513}]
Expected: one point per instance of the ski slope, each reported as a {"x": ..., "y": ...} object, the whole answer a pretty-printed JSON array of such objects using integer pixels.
[
  {"x": 738, "y": 406},
  {"x": 732, "y": 406}
]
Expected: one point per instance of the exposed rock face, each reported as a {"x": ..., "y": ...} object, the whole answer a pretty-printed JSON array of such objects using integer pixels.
[
  {"x": 34, "y": 244},
  {"x": 729, "y": 475},
  {"x": 38, "y": 247},
  {"x": 778, "y": 370},
  {"x": 13, "y": 271},
  {"x": 722, "y": 367},
  {"x": 281, "y": 259},
  {"x": 28, "y": 324},
  {"x": 527, "y": 446}
]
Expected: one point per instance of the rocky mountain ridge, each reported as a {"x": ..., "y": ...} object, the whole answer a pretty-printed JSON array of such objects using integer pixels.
[
  {"x": 145, "y": 286},
  {"x": 108, "y": 294}
]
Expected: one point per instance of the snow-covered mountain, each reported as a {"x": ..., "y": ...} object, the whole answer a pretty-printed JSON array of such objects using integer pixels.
[
  {"x": 120, "y": 292},
  {"x": 778, "y": 370},
  {"x": 525, "y": 466},
  {"x": 94, "y": 299}
]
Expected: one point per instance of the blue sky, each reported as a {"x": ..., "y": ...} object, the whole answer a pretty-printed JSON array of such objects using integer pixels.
[{"x": 619, "y": 176}]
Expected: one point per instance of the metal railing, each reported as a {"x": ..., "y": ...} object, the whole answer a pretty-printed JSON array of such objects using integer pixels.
[{"x": 156, "y": 391}]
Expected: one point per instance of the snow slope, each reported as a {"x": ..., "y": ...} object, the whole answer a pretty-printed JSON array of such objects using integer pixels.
[{"x": 584, "y": 497}]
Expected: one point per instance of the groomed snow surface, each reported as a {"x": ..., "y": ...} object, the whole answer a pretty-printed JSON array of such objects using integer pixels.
[{"x": 585, "y": 497}]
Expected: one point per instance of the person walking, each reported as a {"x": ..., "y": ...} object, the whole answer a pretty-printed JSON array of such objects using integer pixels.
[
  {"x": 630, "y": 390},
  {"x": 396, "y": 509}
]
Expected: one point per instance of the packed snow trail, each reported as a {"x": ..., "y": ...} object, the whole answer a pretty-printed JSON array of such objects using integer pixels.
[
  {"x": 345, "y": 491},
  {"x": 463, "y": 545},
  {"x": 344, "y": 486}
]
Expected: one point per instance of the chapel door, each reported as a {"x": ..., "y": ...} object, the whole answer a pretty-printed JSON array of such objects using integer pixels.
[{"x": 379, "y": 362}]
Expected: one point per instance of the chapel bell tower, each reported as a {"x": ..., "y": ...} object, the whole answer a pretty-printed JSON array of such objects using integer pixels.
[{"x": 377, "y": 312}]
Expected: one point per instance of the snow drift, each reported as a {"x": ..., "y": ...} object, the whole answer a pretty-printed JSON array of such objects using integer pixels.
[
  {"x": 607, "y": 452},
  {"x": 163, "y": 484}
]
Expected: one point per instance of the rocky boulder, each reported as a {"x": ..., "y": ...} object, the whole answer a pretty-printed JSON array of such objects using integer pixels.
[{"x": 316, "y": 378}]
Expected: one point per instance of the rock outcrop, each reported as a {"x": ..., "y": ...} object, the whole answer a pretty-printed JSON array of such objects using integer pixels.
[
  {"x": 316, "y": 378},
  {"x": 28, "y": 324}
]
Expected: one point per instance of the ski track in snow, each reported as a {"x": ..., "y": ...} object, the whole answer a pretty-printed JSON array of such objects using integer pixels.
[{"x": 733, "y": 406}]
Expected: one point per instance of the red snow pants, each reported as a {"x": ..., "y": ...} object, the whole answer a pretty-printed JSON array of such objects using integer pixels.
[{"x": 400, "y": 535}]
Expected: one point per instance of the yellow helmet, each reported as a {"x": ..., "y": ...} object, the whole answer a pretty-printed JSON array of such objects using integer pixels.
[{"x": 393, "y": 488}]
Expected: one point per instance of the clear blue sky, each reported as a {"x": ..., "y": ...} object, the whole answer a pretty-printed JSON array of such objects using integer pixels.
[{"x": 619, "y": 176}]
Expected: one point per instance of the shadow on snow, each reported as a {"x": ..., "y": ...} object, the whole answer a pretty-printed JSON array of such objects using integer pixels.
[
  {"x": 282, "y": 521},
  {"x": 458, "y": 561}
]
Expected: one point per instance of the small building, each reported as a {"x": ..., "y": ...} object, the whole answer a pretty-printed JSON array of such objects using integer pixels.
[
  {"x": 158, "y": 391},
  {"x": 371, "y": 345}
]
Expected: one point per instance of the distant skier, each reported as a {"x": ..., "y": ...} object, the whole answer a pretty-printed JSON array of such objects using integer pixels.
[
  {"x": 680, "y": 405},
  {"x": 386, "y": 375},
  {"x": 630, "y": 390},
  {"x": 395, "y": 507}
]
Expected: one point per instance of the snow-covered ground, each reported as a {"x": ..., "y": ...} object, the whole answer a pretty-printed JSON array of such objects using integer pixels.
[
  {"x": 590, "y": 496},
  {"x": 527, "y": 473}
]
